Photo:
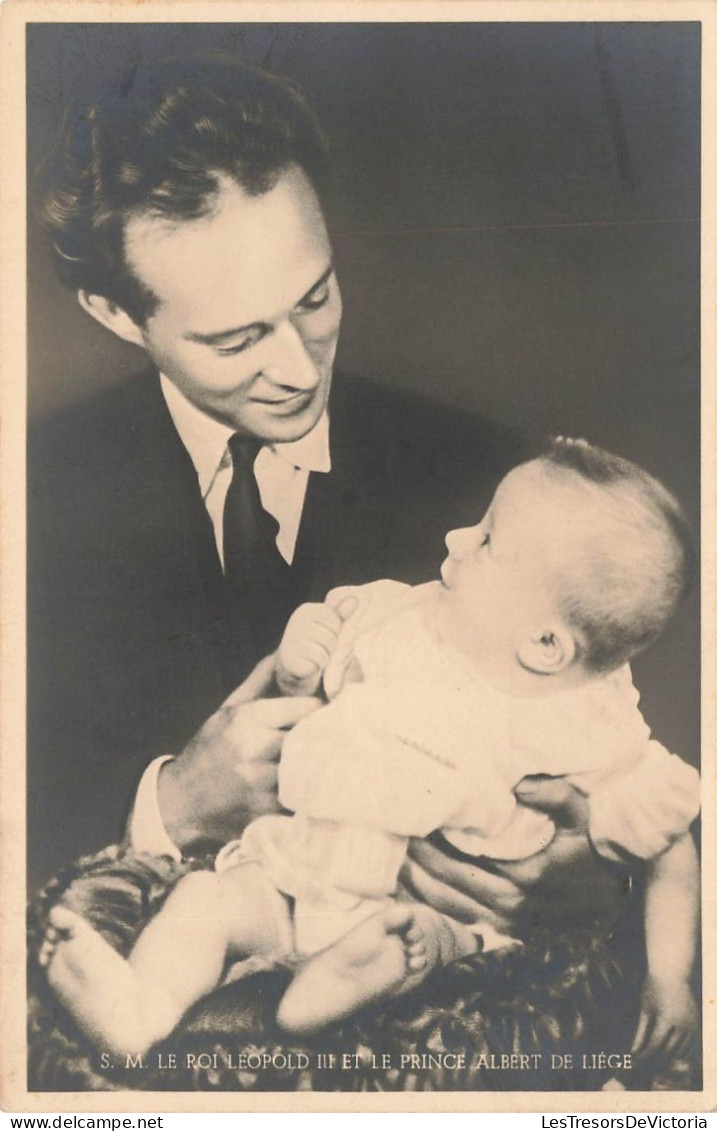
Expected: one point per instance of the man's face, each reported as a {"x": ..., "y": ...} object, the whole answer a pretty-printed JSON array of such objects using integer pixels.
[{"x": 249, "y": 308}]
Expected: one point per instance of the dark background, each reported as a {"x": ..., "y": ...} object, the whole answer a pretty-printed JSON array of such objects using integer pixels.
[{"x": 516, "y": 230}]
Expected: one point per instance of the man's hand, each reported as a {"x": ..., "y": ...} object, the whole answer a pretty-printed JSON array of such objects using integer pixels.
[
  {"x": 309, "y": 642},
  {"x": 565, "y": 875},
  {"x": 227, "y": 775},
  {"x": 668, "y": 1021}
]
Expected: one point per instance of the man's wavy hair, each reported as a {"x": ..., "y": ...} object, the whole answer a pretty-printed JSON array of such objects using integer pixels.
[
  {"x": 157, "y": 141},
  {"x": 625, "y": 580}
]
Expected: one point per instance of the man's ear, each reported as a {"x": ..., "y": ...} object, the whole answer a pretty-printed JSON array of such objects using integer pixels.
[
  {"x": 547, "y": 652},
  {"x": 111, "y": 316}
]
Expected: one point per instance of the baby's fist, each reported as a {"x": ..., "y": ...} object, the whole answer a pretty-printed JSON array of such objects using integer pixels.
[{"x": 308, "y": 643}]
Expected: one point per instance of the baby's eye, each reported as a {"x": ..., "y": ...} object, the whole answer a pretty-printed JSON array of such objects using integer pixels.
[{"x": 485, "y": 540}]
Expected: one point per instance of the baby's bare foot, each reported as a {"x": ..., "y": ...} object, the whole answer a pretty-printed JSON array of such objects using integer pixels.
[
  {"x": 420, "y": 946},
  {"x": 61, "y": 926},
  {"x": 390, "y": 953},
  {"x": 98, "y": 986}
]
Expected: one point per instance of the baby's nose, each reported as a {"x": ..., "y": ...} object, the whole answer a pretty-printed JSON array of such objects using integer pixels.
[{"x": 458, "y": 542}]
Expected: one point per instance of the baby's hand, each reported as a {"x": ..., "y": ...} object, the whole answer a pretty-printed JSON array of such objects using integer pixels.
[
  {"x": 668, "y": 1022},
  {"x": 308, "y": 643}
]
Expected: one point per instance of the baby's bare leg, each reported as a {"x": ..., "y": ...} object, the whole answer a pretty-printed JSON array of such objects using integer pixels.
[
  {"x": 388, "y": 954},
  {"x": 129, "y": 1005}
]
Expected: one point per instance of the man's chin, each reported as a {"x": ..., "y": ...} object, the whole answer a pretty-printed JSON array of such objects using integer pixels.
[{"x": 279, "y": 428}]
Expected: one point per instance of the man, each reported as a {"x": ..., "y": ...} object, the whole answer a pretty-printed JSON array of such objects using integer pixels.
[{"x": 184, "y": 209}]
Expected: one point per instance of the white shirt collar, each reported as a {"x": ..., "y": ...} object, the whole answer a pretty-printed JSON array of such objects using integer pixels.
[{"x": 206, "y": 439}]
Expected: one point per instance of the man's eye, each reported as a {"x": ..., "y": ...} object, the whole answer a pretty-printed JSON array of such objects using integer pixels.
[
  {"x": 238, "y": 347},
  {"x": 315, "y": 301},
  {"x": 485, "y": 540}
]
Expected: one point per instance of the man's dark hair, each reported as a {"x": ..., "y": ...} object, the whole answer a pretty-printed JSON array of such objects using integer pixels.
[
  {"x": 624, "y": 583},
  {"x": 157, "y": 142}
]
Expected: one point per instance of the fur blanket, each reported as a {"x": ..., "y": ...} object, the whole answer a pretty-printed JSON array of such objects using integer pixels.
[{"x": 562, "y": 994}]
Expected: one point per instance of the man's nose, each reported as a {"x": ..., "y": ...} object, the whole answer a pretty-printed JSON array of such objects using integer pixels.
[{"x": 289, "y": 363}]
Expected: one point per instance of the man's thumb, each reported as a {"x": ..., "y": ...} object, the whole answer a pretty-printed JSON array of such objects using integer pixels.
[
  {"x": 256, "y": 685},
  {"x": 559, "y": 800}
]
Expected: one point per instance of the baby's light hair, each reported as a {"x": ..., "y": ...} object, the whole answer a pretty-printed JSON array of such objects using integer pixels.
[{"x": 636, "y": 567}]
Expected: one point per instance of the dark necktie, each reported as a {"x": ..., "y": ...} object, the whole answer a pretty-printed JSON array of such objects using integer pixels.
[{"x": 259, "y": 580}]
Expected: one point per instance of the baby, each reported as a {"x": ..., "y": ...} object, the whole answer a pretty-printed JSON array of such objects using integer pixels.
[{"x": 441, "y": 698}]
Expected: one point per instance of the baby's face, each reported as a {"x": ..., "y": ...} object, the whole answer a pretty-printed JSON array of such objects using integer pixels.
[{"x": 498, "y": 575}]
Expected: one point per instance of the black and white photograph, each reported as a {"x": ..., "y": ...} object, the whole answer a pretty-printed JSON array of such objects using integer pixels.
[{"x": 363, "y": 416}]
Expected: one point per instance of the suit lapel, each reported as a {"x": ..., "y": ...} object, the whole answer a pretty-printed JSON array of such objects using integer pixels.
[
  {"x": 210, "y": 608},
  {"x": 345, "y": 526},
  {"x": 190, "y": 610}
]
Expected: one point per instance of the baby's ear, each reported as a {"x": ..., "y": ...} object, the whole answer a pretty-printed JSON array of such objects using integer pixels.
[{"x": 548, "y": 651}]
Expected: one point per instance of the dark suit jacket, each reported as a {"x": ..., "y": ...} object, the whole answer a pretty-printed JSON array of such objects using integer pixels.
[{"x": 131, "y": 646}]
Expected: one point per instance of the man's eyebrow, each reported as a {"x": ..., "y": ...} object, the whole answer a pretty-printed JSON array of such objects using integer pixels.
[{"x": 220, "y": 336}]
